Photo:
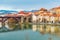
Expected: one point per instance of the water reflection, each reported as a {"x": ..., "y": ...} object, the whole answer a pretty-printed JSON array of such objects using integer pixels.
[
  {"x": 14, "y": 26},
  {"x": 52, "y": 30},
  {"x": 47, "y": 28},
  {"x": 44, "y": 28},
  {"x": 48, "y": 31}
]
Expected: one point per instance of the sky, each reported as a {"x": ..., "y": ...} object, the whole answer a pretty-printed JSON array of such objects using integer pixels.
[{"x": 28, "y": 4}]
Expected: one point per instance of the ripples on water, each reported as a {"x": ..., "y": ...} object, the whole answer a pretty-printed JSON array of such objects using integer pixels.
[{"x": 31, "y": 32}]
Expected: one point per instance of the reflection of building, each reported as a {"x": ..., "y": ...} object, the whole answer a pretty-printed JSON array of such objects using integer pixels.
[
  {"x": 34, "y": 27},
  {"x": 46, "y": 28}
]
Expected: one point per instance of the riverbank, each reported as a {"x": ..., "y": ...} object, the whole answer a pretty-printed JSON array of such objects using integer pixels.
[{"x": 45, "y": 23}]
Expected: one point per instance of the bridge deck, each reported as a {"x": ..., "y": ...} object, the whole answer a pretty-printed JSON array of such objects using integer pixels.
[{"x": 9, "y": 16}]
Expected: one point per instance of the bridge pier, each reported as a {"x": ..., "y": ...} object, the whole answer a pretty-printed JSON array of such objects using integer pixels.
[
  {"x": 27, "y": 19},
  {"x": 22, "y": 19},
  {"x": 0, "y": 24}
]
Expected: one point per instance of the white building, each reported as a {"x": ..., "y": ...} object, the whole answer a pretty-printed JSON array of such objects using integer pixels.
[
  {"x": 34, "y": 18},
  {"x": 52, "y": 19}
]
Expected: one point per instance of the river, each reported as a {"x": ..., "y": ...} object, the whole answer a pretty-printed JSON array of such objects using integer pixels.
[{"x": 29, "y": 34}]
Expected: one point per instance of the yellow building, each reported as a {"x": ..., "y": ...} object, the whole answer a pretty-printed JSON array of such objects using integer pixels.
[{"x": 55, "y": 10}]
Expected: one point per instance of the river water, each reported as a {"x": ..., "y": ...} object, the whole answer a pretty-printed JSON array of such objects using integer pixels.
[{"x": 29, "y": 33}]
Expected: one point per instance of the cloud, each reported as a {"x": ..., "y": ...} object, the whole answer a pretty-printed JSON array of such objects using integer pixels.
[
  {"x": 10, "y": 8},
  {"x": 27, "y": 4},
  {"x": 4, "y": 7}
]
